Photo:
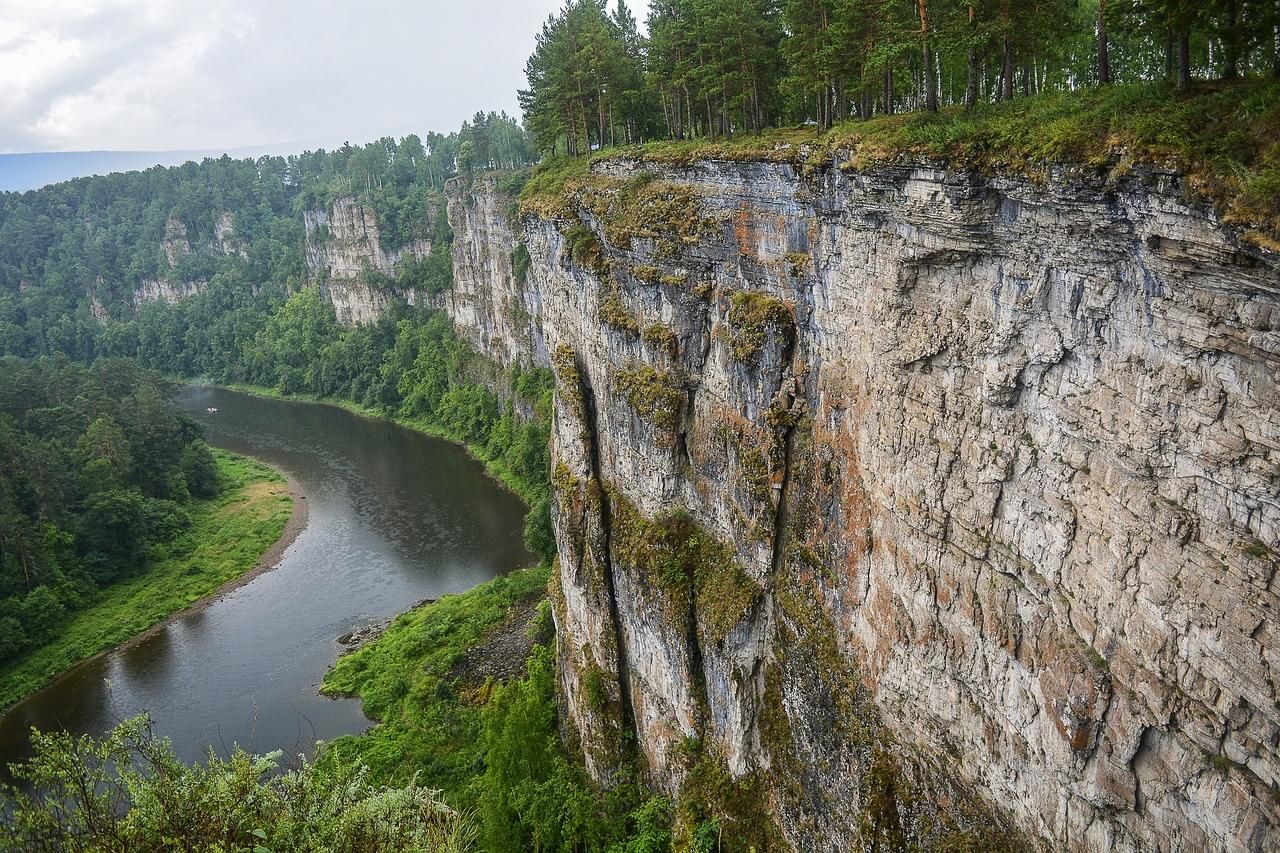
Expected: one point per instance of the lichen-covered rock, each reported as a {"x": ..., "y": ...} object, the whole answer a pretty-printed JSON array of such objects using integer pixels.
[{"x": 998, "y": 461}]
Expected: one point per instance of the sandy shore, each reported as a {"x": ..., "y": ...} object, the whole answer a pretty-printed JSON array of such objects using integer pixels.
[{"x": 269, "y": 560}]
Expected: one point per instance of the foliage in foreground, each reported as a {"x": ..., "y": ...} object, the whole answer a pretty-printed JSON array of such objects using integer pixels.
[{"x": 129, "y": 792}]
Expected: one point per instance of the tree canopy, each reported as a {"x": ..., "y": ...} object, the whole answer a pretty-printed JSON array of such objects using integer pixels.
[
  {"x": 719, "y": 67},
  {"x": 96, "y": 468}
]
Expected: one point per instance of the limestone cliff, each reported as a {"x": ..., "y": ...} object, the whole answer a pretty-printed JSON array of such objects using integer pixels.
[
  {"x": 924, "y": 507},
  {"x": 170, "y": 285},
  {"x": 493, "y": 302},
  {"x": 345, "y": 254}
]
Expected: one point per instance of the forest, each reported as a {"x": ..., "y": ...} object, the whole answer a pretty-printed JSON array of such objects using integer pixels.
[
  {"x": 709, "y": 68},
  {"x": 96, "y": 471},
  {"x": 74, "y": 253}
]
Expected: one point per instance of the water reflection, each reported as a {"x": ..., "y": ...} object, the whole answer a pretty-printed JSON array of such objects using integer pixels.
[{"x": 395, "y": 517}]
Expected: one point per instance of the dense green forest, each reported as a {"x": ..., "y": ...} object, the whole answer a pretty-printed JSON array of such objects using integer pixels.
[
  {"x": 723, "y": 67},
  {"x": 82, "y": 247},
  {"x": 96, "y": 472}
]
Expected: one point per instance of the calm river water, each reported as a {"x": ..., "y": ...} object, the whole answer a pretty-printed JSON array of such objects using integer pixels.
[{"x": 395, "y": 517}]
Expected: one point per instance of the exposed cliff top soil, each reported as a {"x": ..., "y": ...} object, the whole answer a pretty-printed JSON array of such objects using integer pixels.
[{"x": 1224, "y": 138}]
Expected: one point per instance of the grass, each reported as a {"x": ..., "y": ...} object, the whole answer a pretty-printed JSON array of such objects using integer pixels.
[
  {"x": 1224, "y": 137},
  {"x": 430, "y": 721},
  {"x": 227, "y": 537}
]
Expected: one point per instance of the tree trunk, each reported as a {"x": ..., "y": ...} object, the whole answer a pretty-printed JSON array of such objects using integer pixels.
[
  {"x": 1231, "y": 43},
  {"x": 1104, "y": 58},
  {"x": 926, "y": 50},
  {"x": 1275, "y": 60},
  {"x": 971, "y": 84},
  {"x": 1006, "y": 71},
  {"x": 888, "y": 92},
  {"x": 1184, "y": 61},
  {"x": 930, "y": 80},
  {"x": 26, "y": 572}
]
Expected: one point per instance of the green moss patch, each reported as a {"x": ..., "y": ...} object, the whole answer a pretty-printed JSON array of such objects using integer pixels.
[
  {"x": 586, "y": 250},
  {"x": 614, "y": 313},
  {"x": 753, "y": 316},
  {"x": 655, "y": 395},
  {"x": 662, "y": 338},
  {"x": 675, "y": 552}
]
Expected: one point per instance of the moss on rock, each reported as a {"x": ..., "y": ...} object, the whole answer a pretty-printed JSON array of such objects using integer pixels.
[
  {"x": 663, "y": 338},
  {"x": 753, "y": 317},
  {"x": 614, "y": 313},
  {"x": 586, "y": 250},
  {"x": 654, "y": 395}
]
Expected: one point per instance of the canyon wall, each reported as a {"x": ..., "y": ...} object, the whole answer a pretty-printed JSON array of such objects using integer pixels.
[
  {"x": 492, "y": 303},
  {"x": 925, "y": 508},
  {"x": 345, "y": 255}
]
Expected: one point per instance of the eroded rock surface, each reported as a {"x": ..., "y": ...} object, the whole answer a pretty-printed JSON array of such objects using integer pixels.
[
  {"x": 925, "y": 499},
  {"x": 345, "y": 254}
]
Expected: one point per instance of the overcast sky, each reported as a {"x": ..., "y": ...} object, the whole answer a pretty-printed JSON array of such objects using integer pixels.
[{"x": 79, "y": 75}]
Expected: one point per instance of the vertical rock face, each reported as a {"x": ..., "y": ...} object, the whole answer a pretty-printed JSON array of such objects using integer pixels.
[
  {"x": 918, "y": 500},
  {"x": 344, "y": 252},
  {"x": 171, "y": 288},
  {"x": 166, "y": 290},
  {"x": 498, "y": 312}
]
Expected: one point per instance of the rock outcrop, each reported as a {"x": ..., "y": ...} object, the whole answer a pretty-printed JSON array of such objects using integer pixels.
[
  {"x": 170, "y": 287},
  {"x": 492, "y": 302},
  {"x": 345, "y": 254},
  {"x": 930, "y": 507}
]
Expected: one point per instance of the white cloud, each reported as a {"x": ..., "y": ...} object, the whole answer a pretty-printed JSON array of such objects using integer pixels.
[{"x": 186, "y": 74}]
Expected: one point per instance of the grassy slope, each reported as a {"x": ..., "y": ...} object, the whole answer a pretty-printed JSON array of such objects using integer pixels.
[
  {"x": 227, "y": 537},
  {"x": 430, "y": 723},
  {"x": 1225, "y": 138}
]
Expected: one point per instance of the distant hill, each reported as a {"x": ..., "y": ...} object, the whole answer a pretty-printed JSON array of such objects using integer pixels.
[{"x": 21, "y": 172}]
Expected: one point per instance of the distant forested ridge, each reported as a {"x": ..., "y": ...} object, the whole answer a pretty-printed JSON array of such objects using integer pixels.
[
  {"x": 723, "y": 67},
  {"x": 96, "y": 470},
  {"x": 75, "y": 253}
]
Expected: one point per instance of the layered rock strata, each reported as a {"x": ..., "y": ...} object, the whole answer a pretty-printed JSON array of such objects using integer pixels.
[
  {"x": 929, "y": 507},
  {"x": 346, "y": 256}
]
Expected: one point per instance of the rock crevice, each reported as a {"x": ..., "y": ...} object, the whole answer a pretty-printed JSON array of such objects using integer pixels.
[{"x": 977, "y": 482}]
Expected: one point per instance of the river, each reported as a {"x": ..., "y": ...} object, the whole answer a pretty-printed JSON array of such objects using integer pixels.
[{"x": 394, "y": 517}]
